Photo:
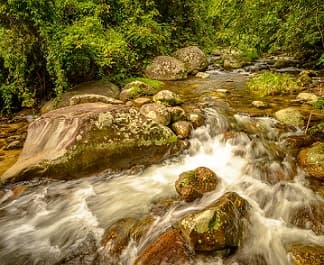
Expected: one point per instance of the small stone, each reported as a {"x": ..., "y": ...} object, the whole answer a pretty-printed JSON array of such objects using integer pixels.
[
  {"x": 202, "y": 75},
  {"x": 222, "y": 90},
  {"x": 182, "y": 129},
  {"x": 197, "y": 119},
  {"x": 167, "y": 97},
  {"x": 260, "y": 104},
  {"x": 177, "y": 113},
  {"x": 139, "y": 102},
  {"x": 308, "y": 97}
]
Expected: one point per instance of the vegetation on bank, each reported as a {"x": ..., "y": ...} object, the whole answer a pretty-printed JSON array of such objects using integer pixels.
[
  {"x": 268, "y": 83},
  {"x": 48, "y": 46}
]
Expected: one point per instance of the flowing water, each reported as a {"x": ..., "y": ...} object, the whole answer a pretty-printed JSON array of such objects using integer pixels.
[{"x": 53, "y": 219}]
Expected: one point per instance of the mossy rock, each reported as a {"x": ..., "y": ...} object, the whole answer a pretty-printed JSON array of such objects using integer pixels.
[
  {"x": 290, "y": 116},
  {"x": 194, "y": 59},
  {"x": 217, "y": 227},
  {"x": 312, "y": 160},
  {"x": 80, "y": 140}
]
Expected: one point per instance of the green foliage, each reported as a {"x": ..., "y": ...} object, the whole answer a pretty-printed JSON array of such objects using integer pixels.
[
  {"x": 268, "y": 83},
  {"x": 48, "y": 46},
  {"x": 319, "y": 104}
]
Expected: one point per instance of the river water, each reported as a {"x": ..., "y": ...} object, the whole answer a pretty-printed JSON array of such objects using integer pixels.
[{"x": 54, "y": 218}]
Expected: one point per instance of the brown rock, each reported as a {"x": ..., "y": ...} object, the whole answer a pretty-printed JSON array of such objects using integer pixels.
[
  {"x": 182, "y": 129},
  {"x": 217, "y": 227},
  {"x": 169, "y": 248}
]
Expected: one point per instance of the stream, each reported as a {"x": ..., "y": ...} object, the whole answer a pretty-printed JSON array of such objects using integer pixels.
[{"x": 53, "y": 219}]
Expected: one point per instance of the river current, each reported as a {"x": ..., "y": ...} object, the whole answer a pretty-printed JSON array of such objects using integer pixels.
[{"x": 54, "y": 218}]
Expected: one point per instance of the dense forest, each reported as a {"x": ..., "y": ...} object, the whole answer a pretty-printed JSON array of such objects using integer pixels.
[{"x": 47, "y": 46}]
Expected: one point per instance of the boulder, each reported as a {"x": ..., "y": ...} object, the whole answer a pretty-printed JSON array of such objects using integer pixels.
[
  {"x": 193, "y": 183},
  {"x": 217, "y": 227},
  {"x": 306, "y": 254},
  {"x": 101, "y": 87},
  {"x": 83, "y": 139},
  {"x": 233, "y": 62},
  {"x": 166, "y": 68},
  {"x": 312, "y": 160},
  {"x": 156, "y": 112},
  {"x": 182, "y": 129},
  {"x": 194, "y": 59},
  {"x": 136, "y": 89},
  {"x": 202, "y": 75},
  {"x": 290, "y": 116},
  {"x": 167, "y": 97},
  {"x": 169, "y": 248}
]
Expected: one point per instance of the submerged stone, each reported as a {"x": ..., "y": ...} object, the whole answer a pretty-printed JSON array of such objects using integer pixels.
[{"x": 306, "y": 254}]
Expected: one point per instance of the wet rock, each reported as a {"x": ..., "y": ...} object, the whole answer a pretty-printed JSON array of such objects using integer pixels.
[
  {"x": 290, "y": 116},
  {"x": 169, "y": 248},
  {"x": 217, "y": 227},
  {"x": 83, "y": 254},
  {"x": 166, "y": 68},
  {"x": 136, "y": 89},
  {"x": 100, "y": 87},
  {"x": 141, "y": 228},
  {"x": 306, "y": 254},
  {"x": 308, "y": 97},
  {"x": 116, "y": 239},
  {"x": 167, "y": 97},
  {"x": 88, "y": 138},
  {"x": 157, "y": 112},
  {"x": 309, "y": 216},
  {"x": 197, "y": 119},
  {"x": 312, "y": 160},
  {"x": 195, "y": 60},
  {"x": 92, "y": 98},
  {"x": 193, "y": 183},
  {"x": 177, "y": 113},
  {"x": 317, "y": 130},
  {"x": 139, "y": 102},
  {"x": 260, "y": 104},
  {"x": 202, "y": 75},
  {"x": 161, "y": 206},
  {"x": 14, "y": 145},
  {"x": 182, "y": 129},
  {"x": 233, "y": 62}
]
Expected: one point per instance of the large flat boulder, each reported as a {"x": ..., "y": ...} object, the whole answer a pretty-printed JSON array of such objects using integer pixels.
[
  {"x": 98, "y": 90},
  {"x": 79, "y": 140}
]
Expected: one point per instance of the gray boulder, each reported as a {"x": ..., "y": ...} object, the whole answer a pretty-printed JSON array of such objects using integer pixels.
[
  {"x": 195, "y": 60},
  {"x": 166, "y": 68}
]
